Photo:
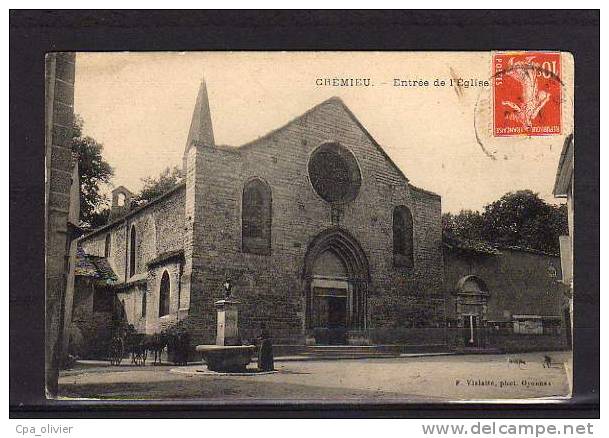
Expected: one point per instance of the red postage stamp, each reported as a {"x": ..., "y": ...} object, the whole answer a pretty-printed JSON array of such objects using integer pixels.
[{"x": 526, "y": 93}]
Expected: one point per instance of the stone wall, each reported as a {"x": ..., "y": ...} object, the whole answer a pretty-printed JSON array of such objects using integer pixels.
[
  {"x": 90, "y": 331},
  {"x": 523, "y": 343},
  {"x": 271, "y": 287},
  {"x": 518, "y": 283},
  {"x": 130, "y": 298},
  {"x": 59, "y": 114}
]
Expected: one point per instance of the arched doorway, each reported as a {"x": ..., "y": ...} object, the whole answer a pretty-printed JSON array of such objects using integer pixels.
[
  {"x": 472, "y": 297},
  {"x": 336, "y": 283}
]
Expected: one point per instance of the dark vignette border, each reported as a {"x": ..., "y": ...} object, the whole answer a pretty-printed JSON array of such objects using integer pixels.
[{"x": 33, "y": 33}]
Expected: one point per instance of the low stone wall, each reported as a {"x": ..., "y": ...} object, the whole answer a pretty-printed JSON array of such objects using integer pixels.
[
  {"x": 419, "y": 336},
  {"x": 511, "y": 342},
  {"x": 523, "y": 343}
]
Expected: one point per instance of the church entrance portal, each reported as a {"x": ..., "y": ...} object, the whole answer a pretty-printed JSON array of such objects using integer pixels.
[{"x": 336, "y": 273}]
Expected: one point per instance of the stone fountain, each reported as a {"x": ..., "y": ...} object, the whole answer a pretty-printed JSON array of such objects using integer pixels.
[{"x": 228, "y": 354}]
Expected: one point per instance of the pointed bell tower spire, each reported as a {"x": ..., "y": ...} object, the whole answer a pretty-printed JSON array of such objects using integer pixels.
[{"x": 201, "y": 130}]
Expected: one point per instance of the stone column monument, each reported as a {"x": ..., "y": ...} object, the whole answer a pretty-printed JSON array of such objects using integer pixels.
[
  {"x": 228, "y": 322},
  {"x": 228, "y": 355}
]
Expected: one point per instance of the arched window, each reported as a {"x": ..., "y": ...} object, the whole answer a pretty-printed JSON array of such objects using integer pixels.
[
  {"x": 107, "y": 247},
  {"x": 256, "y": 217},
  {"x": 144, "y": 303},
  {"x": 132, "y": 252},
  {"x": 164, "y": 295},
  {"x": 403, "y": 254}
]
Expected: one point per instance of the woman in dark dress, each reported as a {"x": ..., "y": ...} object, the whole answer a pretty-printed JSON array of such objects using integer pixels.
[{"x": 265, "y": 351}]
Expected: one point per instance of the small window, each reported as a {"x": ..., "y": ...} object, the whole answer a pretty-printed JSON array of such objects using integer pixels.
[
  {"x": 107, "y": 247},
  {"x": 164, "y": 295},
  {"x": 132, "y": 251},
  {"x": 403, "y": 247},
  {"x": 256, "y": 217}
]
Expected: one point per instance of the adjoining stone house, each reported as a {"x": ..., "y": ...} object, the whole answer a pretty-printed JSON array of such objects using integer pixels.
[
  {"x": 323, "y": 237},
  {"x": 141, "y": 247},
  {"x": 564, "y": 188},
  {"x": 502, "y": 298}
]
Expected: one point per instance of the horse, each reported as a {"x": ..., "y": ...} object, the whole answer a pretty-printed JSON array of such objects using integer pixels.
[
  {"x": 135, "y": 345},
  {"x": 140, "y": 344},
  {"x": 155, "y": 343}
]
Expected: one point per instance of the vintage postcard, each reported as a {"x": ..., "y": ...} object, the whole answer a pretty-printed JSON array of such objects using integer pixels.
[{"x": 310, "y": 226}]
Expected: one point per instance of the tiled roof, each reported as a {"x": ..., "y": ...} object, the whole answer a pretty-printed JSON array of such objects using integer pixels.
[
  {"x": 527, "y": 249},
  {"x": 93, "y": 266},
  {"x": 84, "y": 265},
  {"x": 484, "y": 247},
  {"x": 478, "y": 246},
  {"x": 166, "y": 256},
  {"x": 131, "y": 212}
]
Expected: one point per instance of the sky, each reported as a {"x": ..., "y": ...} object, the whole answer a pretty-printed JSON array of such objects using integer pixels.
[{"x": 139, "y": 106}]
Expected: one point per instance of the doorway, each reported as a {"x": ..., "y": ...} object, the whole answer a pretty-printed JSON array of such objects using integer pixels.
[
  {"x": 330, "y": 315},
  {"x": 335, "y": 296}
]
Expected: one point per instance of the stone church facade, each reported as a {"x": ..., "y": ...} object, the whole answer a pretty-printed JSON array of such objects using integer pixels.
[
  {"x": 322, "y": 236},
  {"x": 324, "y": 240}
]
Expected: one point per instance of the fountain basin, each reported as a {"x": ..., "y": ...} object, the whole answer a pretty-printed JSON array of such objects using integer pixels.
[{"x": 227, "y": 358}]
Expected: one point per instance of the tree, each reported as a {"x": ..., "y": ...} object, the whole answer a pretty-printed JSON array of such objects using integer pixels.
[
  {"x": 154, "y": 187},
  {"x": 99, "y": 217},
  {"x": 519, "y": 218},
  {"x": 94, "y": 172},
  {"x": 522, "y": 218},
  {"x": 467, "y": 224}
]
